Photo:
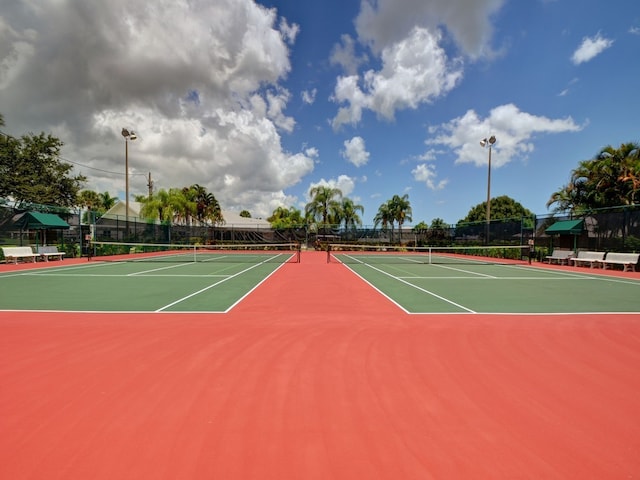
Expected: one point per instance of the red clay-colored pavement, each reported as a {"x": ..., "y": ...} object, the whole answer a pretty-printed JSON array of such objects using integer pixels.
[{"x": 315, "y": 376}]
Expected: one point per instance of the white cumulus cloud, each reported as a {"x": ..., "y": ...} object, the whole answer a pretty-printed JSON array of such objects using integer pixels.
[
  {"x": 415, "y": 70},
  {"x": 426, "y": 172},
  {"x": 198, "y": 81},
  {"x": 513, "y": 129},
  {"x": 355, "y": 151}
]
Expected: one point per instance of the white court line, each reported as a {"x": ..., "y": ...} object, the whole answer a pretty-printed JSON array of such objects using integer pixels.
[
  {"x": 213, "y": 285},
  {"x": 464, "y": 271},
  {"x": 172, "y": 275},
  {"x": 47, "y": 270},
  {"x": 158, "y": 269},
  {"x": 578, "y": 275},
  {"x": 415, "y": 277},
  {"x": 451, "y": 302}
]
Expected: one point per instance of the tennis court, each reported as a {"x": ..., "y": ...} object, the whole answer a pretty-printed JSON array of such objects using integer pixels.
[
  {"x": 216, "y": 280},
  {"x": 306, "y": 370},
  {"x": 439, "y": 281},
  {"x": 175, "y": 278}
]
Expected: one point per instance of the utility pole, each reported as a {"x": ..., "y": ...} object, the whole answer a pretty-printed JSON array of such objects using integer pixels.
[{"x": 150, "y": 185}]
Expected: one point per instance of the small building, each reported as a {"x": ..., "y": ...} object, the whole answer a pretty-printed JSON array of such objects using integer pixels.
[{"x": 568, "y": 232}]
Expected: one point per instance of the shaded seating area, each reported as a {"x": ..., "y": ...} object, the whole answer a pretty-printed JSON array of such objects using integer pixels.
[{"x": 40, "y": 222}]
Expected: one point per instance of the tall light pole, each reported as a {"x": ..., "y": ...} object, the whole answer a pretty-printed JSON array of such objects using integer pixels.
[
  {"x": 483, "y": 143},
  {"x": 128, "y": 135}
]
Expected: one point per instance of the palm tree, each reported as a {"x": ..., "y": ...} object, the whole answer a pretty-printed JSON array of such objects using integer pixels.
[
  {"x": 400, "y": 208},
  {"x": 157, "y": 207},
  {"x": 323, "y": 203},
  {"x": 610, "y": 179},
  {"x": 207, "y": 207},
  {"x": 184, "y": 204},
  {"x": 89, "y": 199},
  {"x": 384, "y": 217},
  {"x": 107, "y": 201},
  {"x": 630, "y": 170},
  {"x": 349, "y": 214},
  {"x": 213, "y": 212}
]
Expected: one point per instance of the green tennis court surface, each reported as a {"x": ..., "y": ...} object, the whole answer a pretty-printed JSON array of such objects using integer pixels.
[
  {"x": 454, "y": 285},
  {"x": 134, "y": 286},
  {"x": 218, "y": 282}
]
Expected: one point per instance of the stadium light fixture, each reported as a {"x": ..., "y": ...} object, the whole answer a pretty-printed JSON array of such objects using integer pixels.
[
  {"x": 128, "y": 135},
  {"x": 483, "y": 143}
]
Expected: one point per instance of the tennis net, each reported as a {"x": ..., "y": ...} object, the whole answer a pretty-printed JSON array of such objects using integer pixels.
[
  {"x": 161, "y": 252},
  {"x": 377, "y": 254}
]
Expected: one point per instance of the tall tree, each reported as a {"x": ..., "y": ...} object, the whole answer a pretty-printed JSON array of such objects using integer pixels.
[
  {"x": 323, "y": 203},
  {"x": 348, "y": 214},
  {"x": 157, "y": 207},
  {"x": 31, "y": 171},
  {"x": 502, "y": 207},
  {"x": 182, "y": 205},
  {"x": 90, "y": 200},
  {"x": 207, "y": 207},
  {"x": 283, "y": 217},
  {"x": 439, "y": 232},
  {"x": 610, "y": 179},
  {"x": 97, "y": 202},
  {"x": 384, "y": 217},
  {"x": 107, "y": 201},
  {"x": 400, "y": 208}
]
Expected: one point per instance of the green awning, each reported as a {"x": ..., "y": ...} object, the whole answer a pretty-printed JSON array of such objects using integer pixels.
[
  {"x": 40, "y": 221},
  {"x": 566, "y": 227}
]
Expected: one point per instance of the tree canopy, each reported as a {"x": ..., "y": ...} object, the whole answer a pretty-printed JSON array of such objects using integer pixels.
[
  {"x": 503, "y": 207},
  {"x": 186, "y": 205},
  {"x": 324, "y": 204},
  {"x": 31, "y": 171},
  {"x": 397, "y": 209},
  {"x": 610, "y": 179},
  {"x": 283, "y": 217},
  {"x": 97, "y": 203}
]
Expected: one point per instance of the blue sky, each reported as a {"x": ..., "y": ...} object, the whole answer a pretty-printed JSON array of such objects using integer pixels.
[{"x": 261, "y": 101}]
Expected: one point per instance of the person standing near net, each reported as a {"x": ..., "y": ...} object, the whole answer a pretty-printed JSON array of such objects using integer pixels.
[{"x": 532, "y": 249}]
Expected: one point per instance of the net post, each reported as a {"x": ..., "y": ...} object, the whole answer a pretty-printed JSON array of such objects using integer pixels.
[{"x": 328, "y": 252}]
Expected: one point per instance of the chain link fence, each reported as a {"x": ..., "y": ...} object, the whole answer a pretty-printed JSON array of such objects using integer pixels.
[{"x": 614, "y": 229}]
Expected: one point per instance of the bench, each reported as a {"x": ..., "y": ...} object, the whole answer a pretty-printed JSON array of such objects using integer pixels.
[
  {"x": 627, "y": 260},
  {"x": 12, "y": 254},
  {"x": 587, "y": 258},
  {"x": 560, "y": 256},
  {"x": 50, "y": 251}
]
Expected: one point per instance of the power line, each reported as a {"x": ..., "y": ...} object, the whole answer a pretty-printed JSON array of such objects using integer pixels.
[
  {"x": 81, "y": 164},
  {"x": 94, "y": 168}
]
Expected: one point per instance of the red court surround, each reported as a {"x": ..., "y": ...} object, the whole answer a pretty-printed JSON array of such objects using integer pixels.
[{"x": 316, "y": 376}]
